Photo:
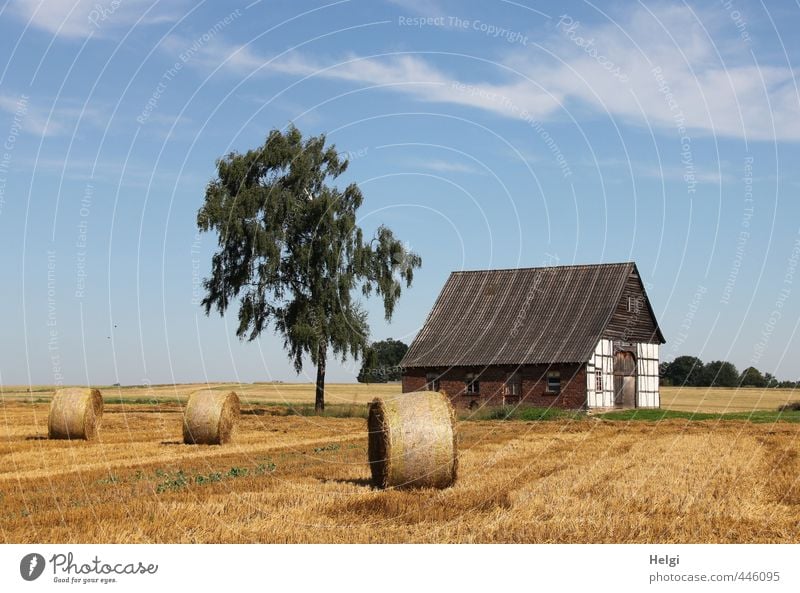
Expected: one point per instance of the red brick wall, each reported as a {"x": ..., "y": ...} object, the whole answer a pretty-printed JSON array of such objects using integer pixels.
[{"x": 492, "y": 379}]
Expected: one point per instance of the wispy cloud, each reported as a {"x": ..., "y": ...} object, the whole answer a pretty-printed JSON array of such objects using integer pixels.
[
  {"x": 665, "y": 171},
  {"x": 441, "y": 166},
  {"x": 676, "y": 71},
  {"x": 398, "y": 72},
  {"x": 667, "y": 69},
  {"x": 65, "y": 117},
  {"x": 82, "y": 18},
  {"x": 675, "y": 173},
  {"x": 420, "y": 7},
  {"x": 110, "y": 170},
  {"x": 32, "y": 120}
]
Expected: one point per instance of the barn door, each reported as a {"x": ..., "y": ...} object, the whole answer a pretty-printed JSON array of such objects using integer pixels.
[{"x": 624, "y": 379}]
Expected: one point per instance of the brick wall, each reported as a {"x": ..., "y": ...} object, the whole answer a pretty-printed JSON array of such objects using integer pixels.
[{"x": 491, "y": 380}]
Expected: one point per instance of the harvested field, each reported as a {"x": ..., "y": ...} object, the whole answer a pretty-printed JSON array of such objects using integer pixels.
[
  {"x": 720, "y": 399},
  {"x": 690, "y": 399},
  {"x": 305, "y": 479},
  {"x": 341, "y": 394}
]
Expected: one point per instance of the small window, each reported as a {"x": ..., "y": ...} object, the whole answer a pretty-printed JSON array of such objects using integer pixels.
[
  {"x": 598, "y": 382},
  {"x": 553, "y": 382},
  {"x": 432, "y": 382},
  {"x": 513, "y": 385},
  {"x": 472, "y": 385},
  {"x": 634, "y": 304}
]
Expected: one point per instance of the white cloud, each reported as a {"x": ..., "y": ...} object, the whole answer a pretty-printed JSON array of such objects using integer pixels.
[
  {"x": 39, "y": 121},
  {"x": 404, "y": 73},
  {"x": 622, "y": 168},
  {"x": 81, "y": 18},
  {"x": 421, "y": 7},
  {"x": 31, "y": 120},
  {"x": 440, "y": 166},
  {"x": 716, "y": 87},
  {"x": 606, "y": 69}
]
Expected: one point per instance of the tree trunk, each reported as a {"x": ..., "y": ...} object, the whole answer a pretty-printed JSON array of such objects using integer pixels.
[{"x": 319, "y": 402}]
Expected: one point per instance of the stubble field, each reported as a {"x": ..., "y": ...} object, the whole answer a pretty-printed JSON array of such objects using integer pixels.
[{"x": 295, "y": 478}]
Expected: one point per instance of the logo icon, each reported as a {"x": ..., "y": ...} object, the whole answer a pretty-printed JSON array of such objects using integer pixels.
[{"x": 31, "y": 567}]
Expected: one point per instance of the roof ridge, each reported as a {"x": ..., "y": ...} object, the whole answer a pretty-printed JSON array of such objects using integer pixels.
[{"x": 572, "y": 266}]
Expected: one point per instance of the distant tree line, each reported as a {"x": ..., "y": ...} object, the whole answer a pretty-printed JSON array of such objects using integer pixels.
[
  {"x": 381, "y": 362},
  {"x": 693, "y": 372}
]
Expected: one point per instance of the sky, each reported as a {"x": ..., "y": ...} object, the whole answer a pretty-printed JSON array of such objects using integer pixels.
[{"x": 491, "y": 134}]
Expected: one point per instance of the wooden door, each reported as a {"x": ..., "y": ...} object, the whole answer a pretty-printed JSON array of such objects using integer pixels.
[{"x": 624, "y": 379}]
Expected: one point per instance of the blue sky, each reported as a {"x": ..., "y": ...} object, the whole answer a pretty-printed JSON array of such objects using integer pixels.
[{"x": 485, "y": 134}]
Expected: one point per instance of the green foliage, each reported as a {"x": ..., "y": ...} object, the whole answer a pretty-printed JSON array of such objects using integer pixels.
[
  {"x": 683, "y": 371},
  {"x": 770, "y": 380},
  {"x": 238, "y": 472},
  {"x": 328, "y": 448},
  {"x": 179, "y": 479},
  {"x": 209, "y": 479},
  {"x": 719, "y": 373},
  {"x": 266, "y": 467},
  {"x": 756, "y": 416},
  {"x": 381, "y": 362},
  {"x": 525, "y": 413},
  {"x": 649, "y": 415},
  {"x": 291, "y": 252},
  {"x": 689, "y": 371},
  {"x": 752, "y": 377},
  {"x": 789, "y": 413},
  {"x": 172, "y": 481}
]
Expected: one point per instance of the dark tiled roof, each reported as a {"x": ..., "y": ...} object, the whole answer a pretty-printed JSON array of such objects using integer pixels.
[{"x": 520, "y": 316}]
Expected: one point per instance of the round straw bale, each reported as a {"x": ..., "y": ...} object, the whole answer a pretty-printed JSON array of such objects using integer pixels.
[
  {"x": 412, "y": 441},
  {"x": 75, "y": 413},
  {"x": 210, "y": 417}
]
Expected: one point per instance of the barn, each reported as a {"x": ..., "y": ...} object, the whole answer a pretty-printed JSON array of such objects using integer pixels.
[{"x": 577, "y": 337}]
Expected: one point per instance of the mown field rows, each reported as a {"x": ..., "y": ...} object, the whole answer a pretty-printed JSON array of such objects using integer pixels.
[{"x": 305, "y": 479}]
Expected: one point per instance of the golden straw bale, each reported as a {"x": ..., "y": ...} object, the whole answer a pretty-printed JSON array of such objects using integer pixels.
[
  {"x": 75, "y": 413},
  {"x": 210, "y": 417},
  {"x": 412, "y": 441}
]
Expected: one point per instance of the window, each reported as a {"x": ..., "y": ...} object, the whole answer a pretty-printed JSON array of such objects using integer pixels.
[
  {"x": 598, "y": 382},
  {"x": 513, "y": 385},
  {"x": 472, "y": 385},
  {"x": 553, "y": 382},
  {"x": 432, "y": 382},
  {"x": 634, "y": 304}
]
